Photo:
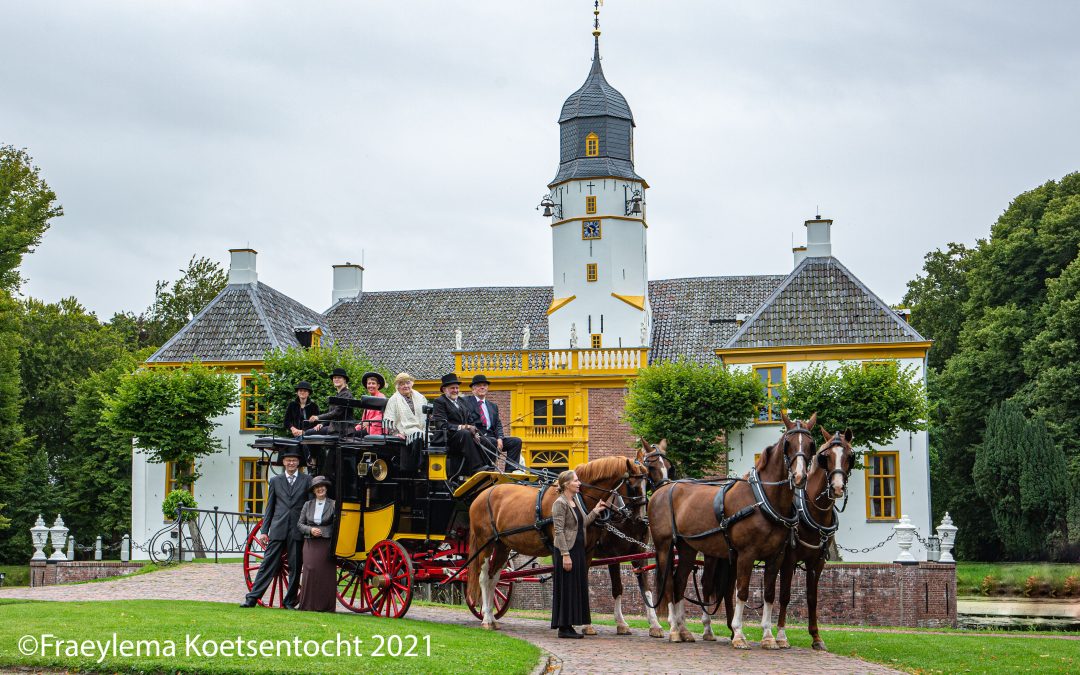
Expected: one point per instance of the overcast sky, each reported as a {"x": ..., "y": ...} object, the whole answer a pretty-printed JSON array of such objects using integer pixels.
[{"x": 421, "y": 135}]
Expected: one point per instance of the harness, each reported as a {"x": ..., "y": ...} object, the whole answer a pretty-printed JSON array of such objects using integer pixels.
[{"x": 802, "y": 504}]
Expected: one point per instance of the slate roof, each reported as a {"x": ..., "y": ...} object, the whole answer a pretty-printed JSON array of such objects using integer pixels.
[
  {"x": 692, "y": 317},
  {"x": 414, "y": 330},
  {"x": 596, "y": 97},
  {"x": 822, "y": 303},
  {"x": 240, "y": 324},
  {"x": 592, "y": 167}
]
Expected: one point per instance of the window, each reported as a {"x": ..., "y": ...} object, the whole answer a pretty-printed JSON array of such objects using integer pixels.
[
  {"x": 316, "y": 340},
  {"x": 772, "y": 378},
  {"x": 252, "y": 486},
  {"x": 549, "y": 412},
  {"x": 253, "y": 410},
  {"x": 597, "y": 341},
  {"x": 590, "y": 204},
  {"x": 590, "y": 272},
  {"x": 173, "y": 472},
  {"x": 592, "y": 145},
  {"x": 883, "y": 486}
]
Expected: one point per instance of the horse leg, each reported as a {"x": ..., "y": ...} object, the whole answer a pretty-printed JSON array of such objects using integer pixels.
[
  {"x": 709, "y": 593},
  {"x": 745, "y": 566},
  {"x": 813, "y": 575},
  {"x": 686, "y": 565},
  {"x": 767, "y": 640},
  {"x": 663, "y": 590},
  {"x": 787, "y": 571},
  {"x": 650, "y": 613},
  {"x": 489, "y": 576},
  {"x": 615, "y": 572}
]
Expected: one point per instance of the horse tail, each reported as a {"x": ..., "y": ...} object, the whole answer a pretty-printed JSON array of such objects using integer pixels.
[
  {"x": 476, "y": 554},
  {"x": 715, "y": 577}
]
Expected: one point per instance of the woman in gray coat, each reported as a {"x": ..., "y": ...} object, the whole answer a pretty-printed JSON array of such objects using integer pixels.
[
  {"x": 318, "y": 592},
  {"x": 570, "y": 592}
]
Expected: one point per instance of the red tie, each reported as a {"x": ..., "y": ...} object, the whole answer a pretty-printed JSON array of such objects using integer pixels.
[{"x": 483, "y": 415}]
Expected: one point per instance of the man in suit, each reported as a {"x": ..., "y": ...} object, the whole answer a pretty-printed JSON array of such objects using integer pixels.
[
  {"x": 484, "y": 415},
  {"x": 279, "y": 533},
  {"x": 450, "y": 416}
]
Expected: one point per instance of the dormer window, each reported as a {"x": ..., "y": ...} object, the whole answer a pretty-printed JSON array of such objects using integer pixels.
[
  {"x": 309, "y": 337},
  {"x": 592, "y": 145}
]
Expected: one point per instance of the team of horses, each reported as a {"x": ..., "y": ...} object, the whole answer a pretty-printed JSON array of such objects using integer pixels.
[{"x": 782, "y": 512}]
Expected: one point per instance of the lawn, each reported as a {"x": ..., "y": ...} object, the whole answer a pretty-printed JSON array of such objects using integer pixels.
[
  {"x": 1018, "y": 579},
  {"x": 209, "y": 637},
  {"x": 16, "y": 575}
]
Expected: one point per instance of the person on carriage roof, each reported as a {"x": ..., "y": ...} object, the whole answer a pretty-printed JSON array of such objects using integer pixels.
[
  {"x": 404, "y": 417},
  {"x": 484, "y": 415},
  {"x": 300, "y": 409},
  {"x": 339, "y": 415},
  {"x": 450, "y": 415},
  {"x": 371, "y": 420}
]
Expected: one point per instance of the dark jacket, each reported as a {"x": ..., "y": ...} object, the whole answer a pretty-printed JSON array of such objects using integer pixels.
[
  {"x": 283, "y": 504},
  {"x": 495, "y": 430},
  {"x": 446, "y": 416},
  {"x": 295, "y": 416},
  {"x": 340, "y": 412},
  {"x": 328, "y": 519}
]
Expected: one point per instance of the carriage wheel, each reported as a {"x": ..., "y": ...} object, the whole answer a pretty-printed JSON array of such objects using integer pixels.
[
  {"x": 388, "y": 579},
  {"x": 504, "y": 590},
  {"x": 350, "y": 577},
  {"x": 253, "y": 557}
]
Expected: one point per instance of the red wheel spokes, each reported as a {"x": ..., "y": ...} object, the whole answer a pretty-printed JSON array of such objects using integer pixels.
[
  {"x": 254, "y": 552},
  {"x": 388, "y": 580}
]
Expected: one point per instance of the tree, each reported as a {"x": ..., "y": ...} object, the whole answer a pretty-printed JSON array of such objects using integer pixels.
[
  {"x": 26, "y": 207},
  {"x": 285, "y": 368},
  {"x": 876, "y": 401},
  {"x": 14, "y": 446},
  {"x": 177, "y": 304},
  {"x": 172, "y": 412},
  {"x": 1019, "y": 471},
  {"x": 695, "y": 407},
  {"x": 937, "y": 300}
]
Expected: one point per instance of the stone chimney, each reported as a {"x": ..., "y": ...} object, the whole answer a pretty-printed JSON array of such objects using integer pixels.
[
  {"x": 242, "y": 266},
  {"x": 818, "y": 240},
  {"x": 348, "y": 282}
]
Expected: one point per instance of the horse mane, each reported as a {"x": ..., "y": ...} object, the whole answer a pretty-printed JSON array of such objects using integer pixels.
[
  {"x": 763, "y": 458},
  {"x": 602, "y": 467}
]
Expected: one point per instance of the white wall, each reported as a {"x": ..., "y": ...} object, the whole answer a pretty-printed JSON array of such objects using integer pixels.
[{"x": 856, "y": 531}]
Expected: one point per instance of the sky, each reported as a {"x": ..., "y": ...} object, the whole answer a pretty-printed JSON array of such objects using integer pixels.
[{"x": 419, "y": 137}]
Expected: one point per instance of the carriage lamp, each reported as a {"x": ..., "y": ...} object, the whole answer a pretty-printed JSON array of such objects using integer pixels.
[
  {"x": 550, "y": 207},
  {"x": 380, "y": 470}
]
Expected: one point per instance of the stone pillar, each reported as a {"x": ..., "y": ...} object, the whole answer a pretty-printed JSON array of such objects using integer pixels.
[
  {"x": 71, "y": 548},
  {"x": 97, "y": 548},
  {"x": 125, "y": 548}
]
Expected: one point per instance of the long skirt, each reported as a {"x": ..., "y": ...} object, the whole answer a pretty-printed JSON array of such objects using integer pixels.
[
  {"x": 570, "y": 594},
  {"x": 317, "y": 594}
]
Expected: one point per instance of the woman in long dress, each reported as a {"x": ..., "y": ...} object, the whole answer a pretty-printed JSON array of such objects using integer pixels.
[
  {"x": 570, "y": 594},
  {"x": 318, "y": 592}
]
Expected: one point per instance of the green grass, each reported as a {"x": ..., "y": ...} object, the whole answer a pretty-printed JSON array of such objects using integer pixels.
[
  {"x": 1018, "y": 579},
  {"x": 16, "y": 575},
  {"x": 454, "y": 649}
]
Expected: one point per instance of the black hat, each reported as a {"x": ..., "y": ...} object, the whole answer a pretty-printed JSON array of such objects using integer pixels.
[
  {"x": 448, "y": 380},
  {"x": 340, "y": 372},
  {"x": 378, "y": 378},
  {"x": 319, "y": 480},
  {"x": 304, "y": 384},
  {"x": 290, "y": 452},
  {"x": 478, "y": 379}
]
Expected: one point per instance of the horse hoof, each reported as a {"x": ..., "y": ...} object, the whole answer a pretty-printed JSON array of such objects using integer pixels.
[
  {"x": 588, "y": 630},
  {"x": 489, "y": 626},
  {"x": 819, "y": 645},
  {"x": 686, "y": 636},
  {"x": 674, "y": 637},
  {"x": 769, "y": 643},
  {"x": 622, "y": 629},
  {"x": 708, "y": 637},
  {"x": 783, "y": 644},
  {"x": 656, "y": 632},
  {"x": 740, "y": 643}
]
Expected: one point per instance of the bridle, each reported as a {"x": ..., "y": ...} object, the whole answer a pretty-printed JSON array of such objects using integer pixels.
[
  {"x": 627, "y": 506},
  {"x": 800, "y": 431},
  {"x": 822, "y": 459},
  {"x": 658, "y": 458}
]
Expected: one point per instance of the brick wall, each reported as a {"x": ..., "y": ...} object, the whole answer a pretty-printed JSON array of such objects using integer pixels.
[
  {"x": 876, "y": 594},
  {"x": 502, "y": 399},
  {"x": 608, "y": 434},
  {"x": 46, "y": 574}
]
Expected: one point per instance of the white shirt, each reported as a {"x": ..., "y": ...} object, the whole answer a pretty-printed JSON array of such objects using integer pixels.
[{"x": 316, "y": 516}]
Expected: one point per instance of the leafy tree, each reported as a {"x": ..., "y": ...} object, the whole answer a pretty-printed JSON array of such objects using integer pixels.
[
  {"x": 285, "y": 368},
  {"x": 876, "y": 401},
  {"x": 1019, "y": 472},
  {"x": 177, "y": 304},
  {"x": 26, "y": 207},
  {"x": 695, "y": 407},
  {"x": 14, "y": 446},
  {"x": 172, "y": 411},
  {"x": 937, "y": 298}
]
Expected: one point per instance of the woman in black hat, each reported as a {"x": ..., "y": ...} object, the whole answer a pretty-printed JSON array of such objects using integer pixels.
[
  {"x": 318, "y": 592},
  {"x": 371, "y": 421},
  {"x": 300, "y": 409}
]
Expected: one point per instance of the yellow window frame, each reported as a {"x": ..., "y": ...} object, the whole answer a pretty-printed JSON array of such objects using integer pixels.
[
  {"x": 772, "y": 407},
  {"x": 597, "y": 341},
  {"x": 591, "y": 273},
  {"x": 253, "y": 410},
  {"x": 549, "y": 418},
  {"x": 253, "y": 487},
  {"x": 592, "y": 145},
  {"x": 876, "y": 479},
  {"x": 590, "y": 204}
]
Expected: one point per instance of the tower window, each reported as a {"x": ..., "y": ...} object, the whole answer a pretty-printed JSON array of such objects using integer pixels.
[
  {"x": 590, "y": 272},
  {"x": 590, "y": 204},
  {"x": 597, "y": 341},
  {"x": 592, "y": 145}
]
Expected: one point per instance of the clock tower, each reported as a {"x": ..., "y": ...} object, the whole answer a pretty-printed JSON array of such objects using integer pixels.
[{"x": 597, "y": 207}]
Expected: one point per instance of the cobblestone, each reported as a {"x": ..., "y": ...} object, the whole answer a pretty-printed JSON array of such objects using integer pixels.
[{"x": 604, "y": 653}]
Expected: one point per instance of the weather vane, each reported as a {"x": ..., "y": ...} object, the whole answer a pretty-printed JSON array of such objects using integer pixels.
[{"x": 597, "y": 4}]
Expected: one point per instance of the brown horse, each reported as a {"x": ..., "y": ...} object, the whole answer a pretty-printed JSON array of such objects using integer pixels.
[
  {"x": 818, "y": 519},
  {"x": 503, "y": 519},
  {"x": 747, "y": 520}
]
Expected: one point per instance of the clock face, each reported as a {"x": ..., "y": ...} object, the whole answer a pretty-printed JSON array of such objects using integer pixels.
[{"x": 590, "y": 229}]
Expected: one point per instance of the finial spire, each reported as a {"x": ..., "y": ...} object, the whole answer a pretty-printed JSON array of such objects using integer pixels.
[{"x": 596, "y": 19}]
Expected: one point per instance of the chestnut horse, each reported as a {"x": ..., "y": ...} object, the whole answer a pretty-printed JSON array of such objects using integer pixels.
[
  {"x": 741, "y": 520},
  {"x": 503, "y": 518},
  {"x": 818, "y": 519}
]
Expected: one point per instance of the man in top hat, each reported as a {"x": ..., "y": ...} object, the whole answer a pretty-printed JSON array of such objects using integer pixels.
[
  {"x": 484, "y": 415},
  {"x": 339, "y": 415},
  {"x": 450, "y": 415},
  {"x": 279, "y": 533}
]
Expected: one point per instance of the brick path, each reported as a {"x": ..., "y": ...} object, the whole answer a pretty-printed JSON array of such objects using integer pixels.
[{"x": 605, "y": 653}]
